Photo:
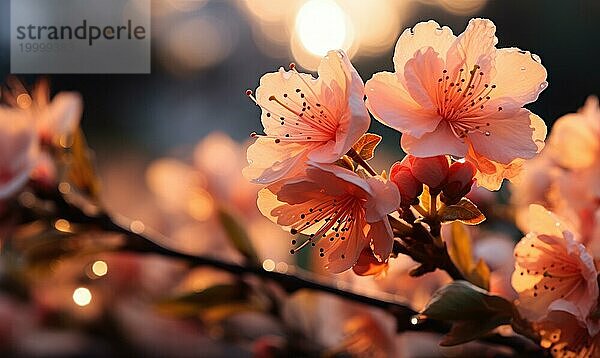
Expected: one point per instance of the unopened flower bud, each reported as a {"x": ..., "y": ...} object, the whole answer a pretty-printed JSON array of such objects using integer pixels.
[
  {"x": 431, "y": 171},
  {"x": 410, "y": 188},
  {"x": 459, "y": 183}
]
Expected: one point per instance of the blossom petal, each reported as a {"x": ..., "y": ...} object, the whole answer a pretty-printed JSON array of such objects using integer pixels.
[
  {"x": 332, "y": 177},
  {"x": 519, "y": 75},
  {"x": 422, "y": 73},
  {"x": 475, "y": 46},
  {"x": 439, "y": 142},
  {"x": 543, "y": 221},
  {"x": 269, "y": 161},
  {"x": 424, "y": 34},
  {"x": 337, "y": 73},
  {"x": 391, "y": 104},
  {"x": 386, "y": 199},
  {"x": 572, "y": 144},
  {"x": 341, "y": 255},
  {"x": 64, "y": 114},
  {"x": 510, "y": 136},
  {"x": 19, "y": 150},
  {"x": 382, "y": 239},
  {"x": 490, "y": 174}
]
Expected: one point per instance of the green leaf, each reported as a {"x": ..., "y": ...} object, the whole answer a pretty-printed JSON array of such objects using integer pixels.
[
  {"x": 461, "y": 252},
  {"x": 472, "y": 310},
  {"x": 463, "y": 301},
  {"x": 345, "y": 162},
  {"x": 463, "y": 332},
  {"x": 465, "y": 211},
  {"x": 238, "y": 237},
  {"x": 365, "y": 146}
]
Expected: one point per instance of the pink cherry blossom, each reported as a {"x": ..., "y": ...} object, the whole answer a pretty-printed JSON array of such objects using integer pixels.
[
  {"x": 575, "y": 139},
  {"x": 18, "y": 150},
  {"x": 553, "y": 272},
  {"x": 342, "y": 212},
  {"x": 564, "y": 178},
  {"x": 306, "y": 118},
  {"x": 566, "y": 336},
  {"x": 55, "y": 117},
  {"x": 463, "y": 97}
]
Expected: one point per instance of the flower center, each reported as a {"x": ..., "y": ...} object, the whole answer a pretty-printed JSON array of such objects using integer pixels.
[
  {"x": 301, "y": 115},
  {"x": 337, "y": 218},
  {"x": 462, "y": 98}
]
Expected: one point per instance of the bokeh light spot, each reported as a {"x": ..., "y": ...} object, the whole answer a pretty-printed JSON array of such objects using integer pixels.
[
  {"x": 99, "y": 268},
  {"x": 82, "y": 296},
  {"x": 322, "y": 25}
]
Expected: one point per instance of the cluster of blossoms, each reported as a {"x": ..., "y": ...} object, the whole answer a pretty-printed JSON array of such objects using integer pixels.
[
  {"x": 458, "y": 102},
  {"x": 555, "y": 269}
]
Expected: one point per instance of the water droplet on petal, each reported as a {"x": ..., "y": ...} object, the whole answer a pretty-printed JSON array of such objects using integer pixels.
[
  {"x": 536, "y": 58},
  {"x": 543, "y": 85},
  {"x": 523, "y": 68}
]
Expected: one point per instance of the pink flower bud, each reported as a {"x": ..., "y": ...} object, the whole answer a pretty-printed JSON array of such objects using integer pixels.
[
  {"x": 459, "y": 183},
  {"x": 431, "y": 171},
  {"x": 410, "y": 188}
]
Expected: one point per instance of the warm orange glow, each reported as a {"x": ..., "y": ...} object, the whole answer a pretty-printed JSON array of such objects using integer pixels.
[
  {"x": 62, "y": 225},
  {"x": 100, "y": 268},
  {"x": 24, "y": 100}
]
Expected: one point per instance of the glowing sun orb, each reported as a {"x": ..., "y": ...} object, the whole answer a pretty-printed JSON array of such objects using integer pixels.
[
  {"x": 82, "y": 296},
  {"x": 322, "y": 25}
]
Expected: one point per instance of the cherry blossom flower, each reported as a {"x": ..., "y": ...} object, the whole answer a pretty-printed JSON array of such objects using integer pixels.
[
  {"x": 553, "y": 272},
  {"x": 55, "y": 117},
  {"x": 575, "y": 139},
  {"x": 574, "y": 145},
  {"x": 565, "y": 177},
  {"x": 193, "y": 196},
  {"x": 463, "y": 97},
  {"x": 342, "y": 212},
  {"x": 566, "y": 336},
  {"x": 19, "y": 150},
  {"x": 306, "y": 118}
]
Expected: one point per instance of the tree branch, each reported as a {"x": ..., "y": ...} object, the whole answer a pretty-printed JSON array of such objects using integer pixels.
[{"x": 142, "y": 243}]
